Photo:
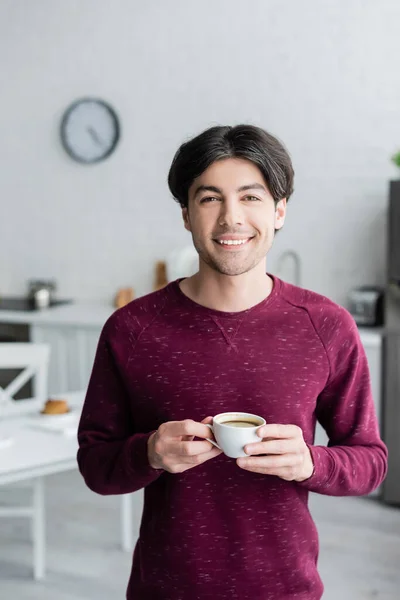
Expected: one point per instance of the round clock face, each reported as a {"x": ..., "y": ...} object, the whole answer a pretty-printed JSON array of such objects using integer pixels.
[{"x": 89, "y": 130}]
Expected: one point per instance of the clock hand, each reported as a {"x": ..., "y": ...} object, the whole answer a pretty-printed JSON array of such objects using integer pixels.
[{"x": 94, "y": 136}]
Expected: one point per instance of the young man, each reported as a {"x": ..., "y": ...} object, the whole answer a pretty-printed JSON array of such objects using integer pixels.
[{"x": 230, "y": 338}]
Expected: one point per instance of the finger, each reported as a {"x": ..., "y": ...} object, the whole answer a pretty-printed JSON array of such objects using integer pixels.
[
  {"x": 271, "y": 462},
  {"x": 286, "y": 473},
  {"x": 186, "y": 427},
  {"x": 277, "y": 431},
  {"x": 275, "y": 446},
  {"x": 190, "y": 438},
  {"x": 201, "y": 458},
  {"x": 190, "y": 448},
  {"x": 207, "y": 420},
  {"x": 198, "y": 459}
]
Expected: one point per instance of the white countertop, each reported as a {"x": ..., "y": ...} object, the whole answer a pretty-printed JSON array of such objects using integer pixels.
[
  {"x": 32, "y": 451},
  {"x": 90, "y": 314},
  {"x": 371, "y": 336},
  {"x": 76, "y": 314}
]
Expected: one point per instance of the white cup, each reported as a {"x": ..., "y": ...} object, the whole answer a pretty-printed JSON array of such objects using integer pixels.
[{"x": 231, "y": 438}]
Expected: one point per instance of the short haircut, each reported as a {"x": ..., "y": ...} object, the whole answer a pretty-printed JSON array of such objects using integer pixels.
[{"x": 241, "y": 141}]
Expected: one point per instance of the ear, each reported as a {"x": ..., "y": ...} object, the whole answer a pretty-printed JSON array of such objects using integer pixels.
[
  {"x": 186, "y": 220},
  {"x": 280, "y": 213}
]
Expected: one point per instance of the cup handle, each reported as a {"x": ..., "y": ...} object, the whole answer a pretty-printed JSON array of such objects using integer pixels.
[{"x": 209, "y": 439}]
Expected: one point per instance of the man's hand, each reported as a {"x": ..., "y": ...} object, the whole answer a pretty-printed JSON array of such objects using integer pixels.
[
  {"x": 284, "y": 453},
  {"x": 172, "y": 447}
]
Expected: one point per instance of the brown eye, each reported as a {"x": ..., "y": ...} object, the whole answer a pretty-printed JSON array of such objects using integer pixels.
[{"x": 208, "y": 199}]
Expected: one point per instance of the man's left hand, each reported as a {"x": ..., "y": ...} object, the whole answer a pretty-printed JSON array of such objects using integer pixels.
[{"x": 282, "y": 451}]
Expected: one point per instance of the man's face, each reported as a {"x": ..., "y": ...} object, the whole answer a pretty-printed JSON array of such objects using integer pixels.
[{"x": 232, "y": 216}]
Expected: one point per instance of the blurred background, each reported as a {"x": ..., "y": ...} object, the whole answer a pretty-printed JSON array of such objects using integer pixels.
[{"x": 88, "y": 223}]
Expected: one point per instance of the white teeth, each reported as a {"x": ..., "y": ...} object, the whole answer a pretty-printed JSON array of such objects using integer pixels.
[{"x": 232, "y": 242}]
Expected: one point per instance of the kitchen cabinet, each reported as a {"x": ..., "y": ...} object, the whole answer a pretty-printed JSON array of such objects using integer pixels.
[
  {"x": 73, "y": 350},
  {"x": 372, "y": 342},
  {"x": 72, "y": 331}
]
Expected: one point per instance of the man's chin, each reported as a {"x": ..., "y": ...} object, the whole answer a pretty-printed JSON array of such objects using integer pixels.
[
  {"x": 232, "y": 267},
  {"x": 230, "y": 270}
]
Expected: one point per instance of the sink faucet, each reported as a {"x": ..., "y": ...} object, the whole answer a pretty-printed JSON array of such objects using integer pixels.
[{"x": 296, "y": 260}]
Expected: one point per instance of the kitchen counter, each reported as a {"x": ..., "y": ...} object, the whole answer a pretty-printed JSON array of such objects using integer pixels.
[
  {"x": 371, "y": 336},
  {"x": 72, "y": 332},
  {"x": 88, "y": 314}
]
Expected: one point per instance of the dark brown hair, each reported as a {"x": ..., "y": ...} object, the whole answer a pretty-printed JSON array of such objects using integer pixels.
[{"x": 242, "y": 141}]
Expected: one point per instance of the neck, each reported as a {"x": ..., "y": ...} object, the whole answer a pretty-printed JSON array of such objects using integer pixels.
[{"x": 225, "y": 292}]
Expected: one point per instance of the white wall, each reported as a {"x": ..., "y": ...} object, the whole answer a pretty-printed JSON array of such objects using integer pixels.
[{"x": 323, "y": 76}]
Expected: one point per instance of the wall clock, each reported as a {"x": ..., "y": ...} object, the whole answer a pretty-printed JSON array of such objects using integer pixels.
[{"x": 90, "y": 130}]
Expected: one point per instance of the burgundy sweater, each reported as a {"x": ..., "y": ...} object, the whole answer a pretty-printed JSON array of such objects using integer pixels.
[{"x": 216, "y": 530}]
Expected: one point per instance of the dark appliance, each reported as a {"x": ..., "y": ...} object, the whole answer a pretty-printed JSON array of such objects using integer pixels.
[
  {"x": 366, "y": 305},
  {"x": 391, "y": 358},
  {"x": 25, "y": 303},
  {"x": 15, "y": 332},
  {"x": 19, "y": 332}
]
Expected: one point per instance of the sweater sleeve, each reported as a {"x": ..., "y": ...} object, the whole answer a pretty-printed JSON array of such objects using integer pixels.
[
  {"x": 355, "y": 461},
  {"x": 112, "y": 457}
]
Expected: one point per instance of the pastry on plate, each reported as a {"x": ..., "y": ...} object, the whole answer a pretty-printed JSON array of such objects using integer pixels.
[{"x": 55, "y": 407}]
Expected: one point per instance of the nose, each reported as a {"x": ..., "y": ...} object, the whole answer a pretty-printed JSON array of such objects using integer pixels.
[{"x": 231, "y": 214}]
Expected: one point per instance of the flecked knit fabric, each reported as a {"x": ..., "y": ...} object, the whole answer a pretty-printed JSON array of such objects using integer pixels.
[{"x": 217, "y": 531}]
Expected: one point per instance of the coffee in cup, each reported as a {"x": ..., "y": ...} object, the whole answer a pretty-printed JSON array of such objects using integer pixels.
[
  {"x": 233, "y": 430},
  {"x": 241, "y": 423}
]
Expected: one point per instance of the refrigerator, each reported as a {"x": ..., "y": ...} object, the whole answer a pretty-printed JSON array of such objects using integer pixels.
[{"x": 391, "y": 351}]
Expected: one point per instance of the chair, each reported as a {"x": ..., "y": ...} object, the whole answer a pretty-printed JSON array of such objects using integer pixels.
[{"x": 34, "y": 360}]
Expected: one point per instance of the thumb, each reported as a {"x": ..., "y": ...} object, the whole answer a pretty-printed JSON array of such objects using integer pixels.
[
  {"x": 207, "y": 420},
  {"x": 190, "y": 438}
]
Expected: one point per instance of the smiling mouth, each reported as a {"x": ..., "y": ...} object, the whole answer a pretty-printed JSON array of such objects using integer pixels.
[{"x": 233, "y": 244}]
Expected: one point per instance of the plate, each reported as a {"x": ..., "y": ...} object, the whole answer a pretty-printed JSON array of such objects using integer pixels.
[
  {"x": 6, "y": 442},
  {"x": 67, "y": 414},
  {"x": 66, "y": 423}
]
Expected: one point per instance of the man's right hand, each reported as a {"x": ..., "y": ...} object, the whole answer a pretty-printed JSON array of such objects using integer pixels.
[{"x": 172, "y": 447}]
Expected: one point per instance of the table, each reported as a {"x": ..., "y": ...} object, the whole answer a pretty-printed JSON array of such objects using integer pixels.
[{"x": 33, "y": 455}]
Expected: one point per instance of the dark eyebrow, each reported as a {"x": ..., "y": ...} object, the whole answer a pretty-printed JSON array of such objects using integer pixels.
[
  {"x": 252, "y": 186},
  {"x": 243, "y": 188},
  {"x": 207, "y": 188}
]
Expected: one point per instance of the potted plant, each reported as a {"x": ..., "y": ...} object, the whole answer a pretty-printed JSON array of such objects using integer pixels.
[{"x": 396, "y": 159}]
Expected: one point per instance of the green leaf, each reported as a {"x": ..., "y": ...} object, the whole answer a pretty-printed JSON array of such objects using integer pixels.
[{"x": 396, "y": 158}]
